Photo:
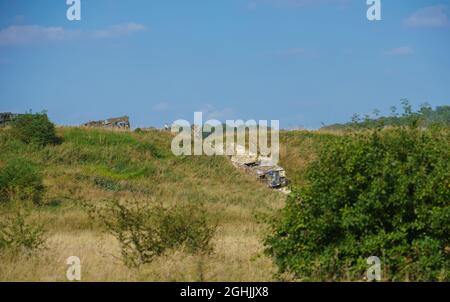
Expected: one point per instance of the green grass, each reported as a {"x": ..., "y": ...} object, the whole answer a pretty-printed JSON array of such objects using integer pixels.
[{"x": 89, "y": 166}]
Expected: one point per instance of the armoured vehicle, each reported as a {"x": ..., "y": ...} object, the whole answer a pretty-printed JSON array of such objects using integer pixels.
[
  {"x": 6, "y": 118},
  {"x": 118, "y": 123},
  {"x": 273, "y": 176},
  {"x": 262, "y": 168}
]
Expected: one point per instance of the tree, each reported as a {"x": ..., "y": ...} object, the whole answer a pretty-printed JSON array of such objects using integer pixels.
[{"x": 34, "y": 129}]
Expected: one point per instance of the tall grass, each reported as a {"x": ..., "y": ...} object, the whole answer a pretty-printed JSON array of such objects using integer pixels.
[{"x": 93, "y": 165}]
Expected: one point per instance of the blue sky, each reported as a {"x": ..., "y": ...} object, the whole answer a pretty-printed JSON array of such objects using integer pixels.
[{"x": 302, "y": 62}]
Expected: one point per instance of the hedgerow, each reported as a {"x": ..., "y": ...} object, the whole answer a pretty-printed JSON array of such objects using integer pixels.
[
  {"x": 383, "y": 193},
  {"x": 34, "y": 129}
]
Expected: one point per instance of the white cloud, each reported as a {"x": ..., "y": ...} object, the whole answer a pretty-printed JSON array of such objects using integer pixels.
[
  {"x": 432, "y": 16},
  {"x": 27, "y": 34},
  {"x": 17, "y": 34},
  {"x": 399, "y": 51},
  {"x": 119, "y": 30}
]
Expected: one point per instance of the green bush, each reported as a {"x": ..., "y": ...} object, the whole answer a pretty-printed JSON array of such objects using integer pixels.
[
  {"x": 385, "y": 193},
  {"x": 17, "y": 235},
  {"x": 20, "y": 180},
  {"x": 34, "y": 129},
  {"x": 147, "y": 229},
  {"x": 107, "y": 184}
]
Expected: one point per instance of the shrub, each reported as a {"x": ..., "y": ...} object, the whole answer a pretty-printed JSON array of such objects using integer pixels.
[
  {"x": 384, "y": 193},
  {"x": 107, "y": 184},
  {"x": 20, "y": 179},
  {"x": 17, "y": 235},
  {"x": 147, "y": 229},
  {"x": 34, "y": 129}
]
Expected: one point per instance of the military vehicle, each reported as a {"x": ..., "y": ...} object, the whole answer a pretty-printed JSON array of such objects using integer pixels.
[
  {"x": 114, "y": 123},
  {"x": 262, "y": 168},
  {"x": 273, "y": 176},
  {"x": 7, "y": 118}
]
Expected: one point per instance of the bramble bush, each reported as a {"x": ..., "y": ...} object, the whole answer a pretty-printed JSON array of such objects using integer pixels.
[
  {"x": 20, "y": 180},
  {"x": 17, "y": 234},
  {"x": 383, "y": 193},
  {"x": 148, "y": 229},
  {"x": 34, "y": 129}
]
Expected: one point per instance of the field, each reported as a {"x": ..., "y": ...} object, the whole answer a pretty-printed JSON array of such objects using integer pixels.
[
  {"x": 96, "y": 165},
  {"x": 386, "y": 189}
]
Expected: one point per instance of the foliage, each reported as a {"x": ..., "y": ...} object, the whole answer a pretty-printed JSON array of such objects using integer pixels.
[
  {"x": 98, "y": 146},
  {"x": 20, "y": 179},
  {"x": 34, "y": 129},
  {"x": 426, "y": 116},
  {"x": 107, "y": 184},
  {"x": 384, "y": 193},
  {"x": 96, "y": 165},
  {"x": 17, "y": 234},
  {"x": 298, "y": 149},
  {"x": 147, "y": 229}
]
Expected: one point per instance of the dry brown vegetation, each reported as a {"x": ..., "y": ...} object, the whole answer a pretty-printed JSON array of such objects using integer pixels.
[{"x": 91, "y": 166}]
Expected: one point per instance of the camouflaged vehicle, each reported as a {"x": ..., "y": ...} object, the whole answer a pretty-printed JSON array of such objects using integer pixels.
[
  {"x": 262, "y": 168},
  {"x": 7, "y": 118},
  {"x": 114, "y": 123}
]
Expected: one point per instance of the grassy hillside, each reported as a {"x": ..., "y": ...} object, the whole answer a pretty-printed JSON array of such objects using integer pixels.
[
  {"x": 298, "y": 149},
  {"x": 90, "y": 166},
  {"x": 350, "y": 172}
]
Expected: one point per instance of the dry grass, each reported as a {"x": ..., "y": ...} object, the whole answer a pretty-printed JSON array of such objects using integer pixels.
[
  {"x": 237, "y": 256},
  {"x": 299, "y": 148},
  {"x": 233, "y": 200}
]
